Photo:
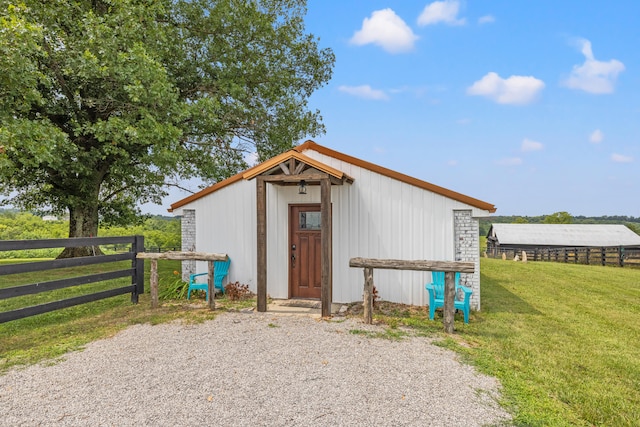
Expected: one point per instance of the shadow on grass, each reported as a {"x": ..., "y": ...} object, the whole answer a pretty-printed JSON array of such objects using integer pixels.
[{"x": 498, "y": 298}]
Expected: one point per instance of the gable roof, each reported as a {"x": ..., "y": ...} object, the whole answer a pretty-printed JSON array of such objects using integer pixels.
[
  {"x": 563, "y": 235},
  {"x": 310, "y": 145}
]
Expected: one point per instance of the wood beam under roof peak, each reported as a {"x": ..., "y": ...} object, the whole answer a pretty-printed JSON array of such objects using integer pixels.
[{"x": 294, "y": 167}]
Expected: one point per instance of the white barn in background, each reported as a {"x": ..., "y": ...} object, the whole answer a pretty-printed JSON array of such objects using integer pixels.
[{"x": 374, "y": 213}]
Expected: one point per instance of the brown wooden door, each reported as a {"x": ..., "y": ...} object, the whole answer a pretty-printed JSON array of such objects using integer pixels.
[{"x": 304, "y": 251}]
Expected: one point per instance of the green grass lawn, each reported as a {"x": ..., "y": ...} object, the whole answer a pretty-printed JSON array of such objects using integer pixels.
[{"x": 564, "y": 340}]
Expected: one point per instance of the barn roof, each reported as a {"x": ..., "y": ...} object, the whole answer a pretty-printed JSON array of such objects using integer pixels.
[
  {"x": 563, "y": 235},
  {"x": 310, "y": 145}
]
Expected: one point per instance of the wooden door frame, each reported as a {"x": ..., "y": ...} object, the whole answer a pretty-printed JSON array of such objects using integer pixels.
[{"x": 326, "y": 273}]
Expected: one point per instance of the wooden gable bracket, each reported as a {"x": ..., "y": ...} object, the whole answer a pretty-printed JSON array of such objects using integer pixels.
[
  {"x": 310, "y": 177},
  {"x": 294, "y": 172},
  {"x": 292, "y": 167}
]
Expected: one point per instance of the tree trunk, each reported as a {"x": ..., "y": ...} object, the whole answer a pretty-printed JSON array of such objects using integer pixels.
[{"x": 83, "y": 222}]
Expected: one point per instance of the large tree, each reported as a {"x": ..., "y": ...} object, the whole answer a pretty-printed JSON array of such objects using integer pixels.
[{"x": 105, "y": 103}]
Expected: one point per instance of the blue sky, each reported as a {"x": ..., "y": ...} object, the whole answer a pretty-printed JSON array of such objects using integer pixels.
[{"x": 530, "y": 105}]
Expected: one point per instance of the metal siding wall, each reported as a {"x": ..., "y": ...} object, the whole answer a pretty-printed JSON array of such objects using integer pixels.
[
  {"x": 380, "y": 217},
  {"x": 214, "y": 232}
]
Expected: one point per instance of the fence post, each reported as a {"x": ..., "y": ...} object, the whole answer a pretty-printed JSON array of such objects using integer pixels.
[
  {"x": 212, "y": 290},
  {"x": 621, "y": 256},
  {"x": 368, "y": 295},
  {"x": 138, "y": 265},
  {"x": 154, "y": 283},
  {"x": 603, "y": 255},
  {"x": 449, "y": 297}
]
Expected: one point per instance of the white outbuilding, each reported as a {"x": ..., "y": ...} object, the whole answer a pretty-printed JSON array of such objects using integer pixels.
[{"x": 271, "y": 221}]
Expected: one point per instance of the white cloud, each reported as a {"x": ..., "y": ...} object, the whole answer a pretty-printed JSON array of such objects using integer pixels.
[
  {"x": 620, "y": 158},
  {"x": 486, "y": 19},
  {"x": 593, "y": 76},
  {"x": 387, "y": 30},
  {"x": 513, "y": 90},
  {"x": 452, "y": 163},
  {"x": 463, "y": 121},
  {"x": 596, "y": 136},
  {"x": 509, "y": 161},
  {"x": 441, "y": 11},
  {"x": 364, "y": 91},
  {"x": 529, "y": 145}
]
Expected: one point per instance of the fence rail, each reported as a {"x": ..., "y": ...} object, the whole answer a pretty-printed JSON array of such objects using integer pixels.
[
  {"x": 136, "y": 272},
  {"x": 609, "y": 256}
]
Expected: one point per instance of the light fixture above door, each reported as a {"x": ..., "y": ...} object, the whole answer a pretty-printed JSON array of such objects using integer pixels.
[{"x": 302, "y": 187}]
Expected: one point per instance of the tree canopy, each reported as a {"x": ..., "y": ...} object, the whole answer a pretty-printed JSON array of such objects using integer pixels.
[
  {"x": 105, "y": 103},
  {"x": 558, "y": 218},
  {"x": 159, "y": 232}
]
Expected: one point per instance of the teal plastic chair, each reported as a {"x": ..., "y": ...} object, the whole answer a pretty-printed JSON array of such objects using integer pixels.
[
  {"x": 220, "y": 271},
  {"x": 436, "y": 295}
]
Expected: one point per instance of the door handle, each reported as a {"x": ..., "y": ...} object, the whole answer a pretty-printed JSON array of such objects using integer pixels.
[{"x": 293, "y": 260}]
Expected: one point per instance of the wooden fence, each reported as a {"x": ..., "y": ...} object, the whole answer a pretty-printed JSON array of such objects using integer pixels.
[
  {"x": 136, "y": 273},
  {"x": 611, "y": 256},
  {"x": 449, "y": 267}
]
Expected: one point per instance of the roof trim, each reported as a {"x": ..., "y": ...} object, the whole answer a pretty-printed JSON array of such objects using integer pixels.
[
  {"x": 213, "y": 188},
  {"x": 311, "y": 145},
  {"x": 476, "y": 203}
]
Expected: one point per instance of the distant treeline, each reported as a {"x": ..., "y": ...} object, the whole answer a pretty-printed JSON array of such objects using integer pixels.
[
  {"x": 158, "y": 231},
  {"x": 631, "y": 222}
]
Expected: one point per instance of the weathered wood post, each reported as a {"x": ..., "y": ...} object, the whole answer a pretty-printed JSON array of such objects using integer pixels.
[
  {"x": 449, "y": 297},
  {"x": 154, "y": 283},
  {"x": 368, "y": 295},
  {"x": 261, "y": 222},
  {"x": 211, "y": 289},
  {"x": 326, "y": 274}
]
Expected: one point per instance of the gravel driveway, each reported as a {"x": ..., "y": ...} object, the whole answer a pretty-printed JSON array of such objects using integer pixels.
[{"x": 252, "y": 370}]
